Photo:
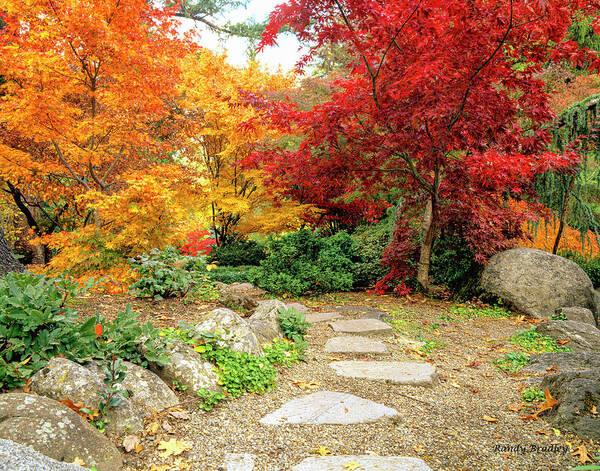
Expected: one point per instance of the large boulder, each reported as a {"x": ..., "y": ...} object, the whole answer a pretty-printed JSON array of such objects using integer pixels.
[
  {"x": 582, "y": 337},
  {"x": 64, "y": 379},
  {"x": 265, "y": 321},
  {"x": 17, "y": 457},
  {"x": 235, "y": 332},
  {"x": 536, "y": 282},
  {"x": 235, "y": 298},
  {"x": 145, "y": 388},
  {"x": 187, "y": 367},
  {"x": 56, "y": 431}
]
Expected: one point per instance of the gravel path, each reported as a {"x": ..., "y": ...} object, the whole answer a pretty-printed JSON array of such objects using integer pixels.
[{"x": 444, "y": 425}]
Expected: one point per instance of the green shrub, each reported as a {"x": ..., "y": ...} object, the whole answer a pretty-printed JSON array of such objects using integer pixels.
[
  {"x": 238, "y": 252},
  {"x": 302, "y": 261},
  {"x": 371, "y": 241},
  {"x": 228, "y": 275},
  {"x": 453, "y": 265},
  {"x": 589, "y": 265},
  {"x": 167, "y": 273},
  {"x": 210, "y": 399},
  {"x": 284, "y": 352},
  {"x": 558, "y": 316},
  {"x": 533, "y": 394},
  {"x": 512, "y": 361},
  {"x": 293, "y": 324},
  {"x": 36, "y": 324},
  {"x": 533, "y": 342}
]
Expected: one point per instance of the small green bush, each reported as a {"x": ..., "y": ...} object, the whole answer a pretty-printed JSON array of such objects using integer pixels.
[
  {"x": 558, "y": 316},
  {"x": 167, "y": 273},
  {"x": 293, "y": 324},
  {"x": 512, "y": 361},
  {"x": 238, "y": 252},
  {"x": 302, "y": 261},
  {"x": 589, "y": 265},
  {"x": 37, "y": 324},
  {"x": 371, "y": 241},
  {"x": 533, "y": 342},
  {"x": 228, "y": 275},
  {"x": 533, "y": 394},
  {"x": 284, "y": 352}
]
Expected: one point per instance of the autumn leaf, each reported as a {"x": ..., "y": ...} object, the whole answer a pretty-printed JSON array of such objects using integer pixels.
[
  {"x": 515, "y": 407},
  {"x": 79, "y": 462},
  {"x": 594, "y": 410},
  {"x": 173, "y": 447},
  {"x": 487, "y": 418},
  {"x": 583, "y": 455},
  {"x": 88, "y": 414},
  {"x": 322, "y": 451},
  {"x": 306, "y": 385},
  {"x": 545, "y": 406},
  {"x": 351, "y": 466},
  {"x": 152, "y": 428},
  {"x": 132, "y": 443}
]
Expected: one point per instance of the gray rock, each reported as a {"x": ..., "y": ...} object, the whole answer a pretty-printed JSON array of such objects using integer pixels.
[
  {"x": 583, "y": 337},
  {"x": 298, "y": 307},
  {"x": 188, "y": 368},
  {"x": 536, "y": 282},
  {"x": 578, "y": 314},
  {"x": 246, "y": 288},
  {"x": 355, "y": 345},
  {"x": 545, "y": 363},
  {"x": 65, "y": 379},
  {"x": 326, "y": 407},
  {"x": 238, "y": 462},
  {"x": 265, "y": 322},
  {"x": 17, "y": 457},
  {"x": 235, "y": 331},
  {"x": 235, "y": 298},
  {"x": 365, "y": 312},
  {"x": 410, "y": 373},
  {"x": 56, "y": 431},
  {"x": 362, "y": 326},
  {"x": 315, "y": 317},
  {"x": 145, "y": 388},
  {"x": 576, "y": 392},
  {"x": 367, "y": 463}
]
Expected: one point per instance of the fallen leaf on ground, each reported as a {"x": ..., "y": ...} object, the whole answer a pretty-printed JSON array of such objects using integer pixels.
[
  {"x": 173, "y": 447},
  {"x": 132, "y": 443},
  {"x": 351, "y": 466},
  {"x": 583, "y": 455},
  {"x": 594, "y": 410},
  {"x": 180, "y": 414},
  {"x": 152, "y": 428},
  {"x": 322, "y": 451},
  {"x": 487, "y": 418},
  {"x": 87, "y": 413},
  {"x": 515, "y": 407},
  {"x": 545, "y": 406},
  {"x": 454, "y": 384},
  {"x": 79, "y": 462},
  {"x": 542, "y": 432},
  {"x": 562, "y": 342},
  {"x": 27, "y": 387},
  {"x": 556, "y": 432},
  {"x": 306, "y": 385}
]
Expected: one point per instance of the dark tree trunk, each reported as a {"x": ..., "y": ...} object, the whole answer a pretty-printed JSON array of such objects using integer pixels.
[{"x": 8, "y": 263}]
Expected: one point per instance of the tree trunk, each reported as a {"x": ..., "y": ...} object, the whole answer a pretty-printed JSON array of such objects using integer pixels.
[
  {"x": 563, "y": 212},
  {"x": 8, "y": 263},
  {"x": 428, "y": 228}
]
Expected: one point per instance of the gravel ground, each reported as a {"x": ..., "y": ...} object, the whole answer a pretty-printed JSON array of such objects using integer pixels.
[{"x": 443, "y": 425}]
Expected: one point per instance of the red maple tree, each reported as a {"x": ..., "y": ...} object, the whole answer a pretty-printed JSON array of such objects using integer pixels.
[{"x": 444, "y": 103}]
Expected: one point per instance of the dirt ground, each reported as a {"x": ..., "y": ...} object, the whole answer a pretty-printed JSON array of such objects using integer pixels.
[{"x": 467, "y": 422}]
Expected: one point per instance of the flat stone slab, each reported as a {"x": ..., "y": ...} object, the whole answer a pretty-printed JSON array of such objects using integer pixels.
[
  {"x": 298, "y": 307},
  {"x": 366, "y": 463},
  {"x": 238, "y": 462},
  {"x": 355, "y": 344},
  {"x": 400, "y": 372},
  {"x": 327, "y": 407},
  {"x": 362, "y": 326},
  {"x": 314, "y": 317}
]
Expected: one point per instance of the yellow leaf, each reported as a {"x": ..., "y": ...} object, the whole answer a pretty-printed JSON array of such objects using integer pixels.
[
  {"x": 556, "y": 432},
  {"x": 79, "y": 462},
  {"x": 306, "y": 385},
  {"x": 323, "y": 451},
  {"x": 152, "y": 428},
  {"x": 583, "y": 454},
  {"x": 173, "y": 447},
  {"x": 487, "y": 418},
  {"x": 351, "y": 466}
]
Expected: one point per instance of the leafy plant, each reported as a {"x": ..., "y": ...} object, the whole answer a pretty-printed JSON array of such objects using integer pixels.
[
  {"x": 284, "y": 352},
  {"x": 113, "y": 396},
  {"x": 37, "y": 324},
  {"x": 473, "y": 312},
  {"x": 293, "y": 324},
  {"x": 210, "y": 399},
  {"x": 558, "y": 316},
  {"x": 533, "y": 394},
  {"x": 237, "y": 252},
  {"x": 228, "y": 275},
  {"x": 590, "y": 265},
  {"x": 371, "y": 241},
  {"x": 302, "y": 261},
  {"x": 512, "y": 361},
  {"x": 179, "y": 387},
  {"x": 430, "y": 345},
  {"x": 533, "y": 342}
]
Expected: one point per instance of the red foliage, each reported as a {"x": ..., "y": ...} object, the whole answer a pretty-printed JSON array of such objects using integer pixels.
[
  {"x": 444, "y": 103},
  {"x": 198, "y": 243}
]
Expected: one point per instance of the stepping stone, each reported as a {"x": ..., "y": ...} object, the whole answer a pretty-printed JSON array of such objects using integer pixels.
[
  {"x": 366, "y": 463},
  {"x": 314, "y": 317},
  {"x": 238, "y": 462},
  {"x": 362, "y": 326},
  {"x": 410, "y": 373},
  {"x": 355, "y": 345},
  {"x": 327, "y": 407},
  {"x": 367, "y": 312}
]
